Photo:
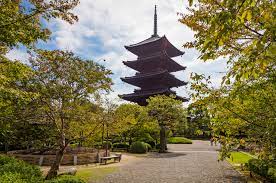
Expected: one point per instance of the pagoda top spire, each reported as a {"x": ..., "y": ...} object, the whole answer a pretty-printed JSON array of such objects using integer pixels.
[{"x": 155, "y": 23}]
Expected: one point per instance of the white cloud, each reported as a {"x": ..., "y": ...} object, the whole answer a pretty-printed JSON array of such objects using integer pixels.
[
  {"x": 17, "y": 54},
  {"x": 105, "y": 26}
]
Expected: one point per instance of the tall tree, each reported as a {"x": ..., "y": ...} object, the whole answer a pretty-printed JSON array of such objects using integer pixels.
[
  {"x": 166, "y": 111},
  {"x": 66, "y": 85},
  {"x": 243, "y": 30},
  {"x": 21, "y": 21}
]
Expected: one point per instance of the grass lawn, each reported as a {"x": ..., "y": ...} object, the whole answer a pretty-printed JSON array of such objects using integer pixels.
[
  {"x": 94, "y": 173},
  {"x": 239, "y": 158}
]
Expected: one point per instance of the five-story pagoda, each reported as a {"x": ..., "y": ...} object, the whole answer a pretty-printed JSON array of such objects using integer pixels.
[{"x": 154, "y": 66}]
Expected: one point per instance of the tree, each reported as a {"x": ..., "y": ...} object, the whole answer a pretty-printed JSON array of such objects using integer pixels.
[
  {"x": 14, "y": 77},
  {"x": 66, "y": 85},
  {"x": 22, "y": 21},
  {"x": 166, "y": 111},
  {"x": 244, "y": 31},
  {"x": 241, "y": 115}
]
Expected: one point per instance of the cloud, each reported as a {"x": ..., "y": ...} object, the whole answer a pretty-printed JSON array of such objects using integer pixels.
[
  {"x": 105, "y": 26},
  {"x": 18, "y": 54}
]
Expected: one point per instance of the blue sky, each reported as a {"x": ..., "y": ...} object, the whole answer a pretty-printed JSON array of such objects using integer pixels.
[{"x": 105, "y": 26}]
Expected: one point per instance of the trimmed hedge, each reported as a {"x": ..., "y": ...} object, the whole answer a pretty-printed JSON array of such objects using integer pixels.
[
  {"x": 66, "y": 179},
  {"x": 120, "y": 145},
  {"x": 179, "y": 140},
  {"x": 262, "y": 168},
  {"x": 103, "y": 146},
  {"x": 138, "y": 147}
]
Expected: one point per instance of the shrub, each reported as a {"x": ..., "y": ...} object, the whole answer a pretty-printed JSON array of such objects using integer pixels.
[
  {"x": 9, "y": 177},
  {"x": 100, "y": 145},
  {"x": 66, "y": 179},
  {"x": 262, "y": 168},
  {"x": 272, "y": 174},
  {"x": 157, "y": 146},
  {"x": 22, "y": 171},
  {"x": 179, "y": 140},
  {"x": 138, "y": 147},
  {"x": 148, "y": 146},
  {"x": 120, "y": 145},
  {"x": 7, "y": 159}
]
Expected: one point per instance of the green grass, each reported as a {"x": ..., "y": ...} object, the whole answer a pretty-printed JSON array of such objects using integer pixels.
[
  {"x": 94, "y": 173},
  {"x": 239, "y": 158},
  {"x": 179, "y": 140}
]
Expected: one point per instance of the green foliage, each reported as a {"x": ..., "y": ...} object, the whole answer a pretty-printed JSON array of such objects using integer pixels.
[
  {"x": 166, "y": 110},
  {"x": 11, "y": 169},
  {"x": 21, "y": 21},
  {"x": 9, "y": 177},
  {"x": 243, "y": 30},
  {"x": 242, "y": 110},
  {"x": 263, "y": 168},
  {"x": 179, "y": 140},
  {"x": 138, "y": 147},
  {"x": 66, "y": 179},
  {"x": 272, "y": 174},
  {"x": 149, "y": 147},
  {"x": 120, "y": 145}
]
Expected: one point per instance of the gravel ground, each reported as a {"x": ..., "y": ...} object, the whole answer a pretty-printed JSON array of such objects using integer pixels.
[{"x": 184, "y": 163}]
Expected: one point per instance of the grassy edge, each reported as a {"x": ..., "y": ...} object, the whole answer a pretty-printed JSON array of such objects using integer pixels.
[
  {"x": 245, "y": 173},
  {"x": 91, "y": 174}
]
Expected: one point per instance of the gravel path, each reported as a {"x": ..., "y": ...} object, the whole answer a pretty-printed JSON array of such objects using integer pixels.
[{"x": 185, "y": 163}]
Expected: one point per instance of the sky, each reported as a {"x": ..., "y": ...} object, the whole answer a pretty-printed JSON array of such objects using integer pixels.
[{"x": 106, "y": 26}]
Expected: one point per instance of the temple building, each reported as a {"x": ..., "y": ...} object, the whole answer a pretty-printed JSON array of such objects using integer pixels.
[{"x": 154, "y": 66}]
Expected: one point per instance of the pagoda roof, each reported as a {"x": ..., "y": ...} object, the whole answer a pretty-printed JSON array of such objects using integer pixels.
[
  {"x": 154, "y": 44},
  {"x": 160, "y": 77},
  {"x": 140, "y": 96},
  {"x": 153, "y": 62}
]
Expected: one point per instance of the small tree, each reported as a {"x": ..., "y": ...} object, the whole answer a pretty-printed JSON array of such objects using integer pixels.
[
  {"x": 66, "y": 85},
  {"x": 166, "y": 111}
]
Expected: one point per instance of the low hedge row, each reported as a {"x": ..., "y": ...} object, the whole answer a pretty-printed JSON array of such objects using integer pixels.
[
  {"x": 18, "y": 171},
  {"x": 120, "y": 145},
  {"x": 179, "y": 140},
  {"x": 263, "y": 168}
]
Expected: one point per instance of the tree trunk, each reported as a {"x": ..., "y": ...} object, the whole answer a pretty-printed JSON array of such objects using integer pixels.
[
  {"x": 162, "y": 140},
  {"x": 6, "y": 147},
  {"x": 55, "y": 166}
]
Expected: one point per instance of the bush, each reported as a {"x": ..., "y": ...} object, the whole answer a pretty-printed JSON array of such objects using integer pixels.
[
  {"x": 120, "y": 145},
  {"x": 272, "y": 174},
  {"x": 7, "y": 159},
  {"x": 157, "y": 146},
  {"x": 262, "y": 168},
  {"x": 103, "y": 146},
  {"x": 138, "y": 147},
  {"x": 12, "y": 168},
  {"x": 9, "y": 177},
  {"x": 146, "y": 137},
  {"x": 179, "y": 140},
  {"x": 66, "y": 179},
  {"x": 148, "y": 146}
]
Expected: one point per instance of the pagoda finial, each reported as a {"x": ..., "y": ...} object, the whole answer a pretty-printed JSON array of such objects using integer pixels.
[{"x": 155, "y": 23}]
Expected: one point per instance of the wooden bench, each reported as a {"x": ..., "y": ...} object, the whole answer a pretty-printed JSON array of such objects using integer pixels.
[{"x": 116, "y": 157}]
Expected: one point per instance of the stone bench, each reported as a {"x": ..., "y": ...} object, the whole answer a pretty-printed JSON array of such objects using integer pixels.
[{"x": 116, "y": 157}]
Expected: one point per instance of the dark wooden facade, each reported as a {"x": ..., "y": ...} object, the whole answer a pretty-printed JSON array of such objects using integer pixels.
[{"x": 154, "y": 66}]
